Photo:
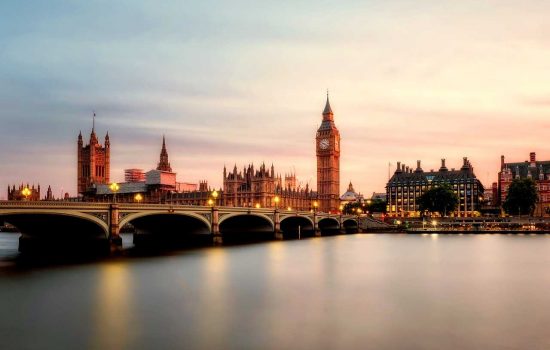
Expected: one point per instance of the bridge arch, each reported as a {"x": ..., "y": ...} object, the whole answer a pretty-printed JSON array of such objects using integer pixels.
[
  {"x": 59, "y": 233},
  {"x": 162, "y": 229},
  {"x": 297, "y": 226},
  {"x": 351, "y": 225},
  {"x": 40, "y": 219},
  {"x": 240, "y": 227},
  {"x": 131, "y": 217},
  {"x": 329, "y": 225}
]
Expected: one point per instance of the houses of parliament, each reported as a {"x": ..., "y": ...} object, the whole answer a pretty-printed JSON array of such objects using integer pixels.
[{"x": 258, "y": 187}]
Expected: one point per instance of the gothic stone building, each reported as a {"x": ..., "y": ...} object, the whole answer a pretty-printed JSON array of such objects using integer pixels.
[
  {"x": 539, "y": 171},
  {"x": 328, "y": 162},
  {"x": 93, "y": 164},
  {"x": 407, "y": 185},
  {"x": 155, "y": 186},
  {"x": 253, "y": 187}
]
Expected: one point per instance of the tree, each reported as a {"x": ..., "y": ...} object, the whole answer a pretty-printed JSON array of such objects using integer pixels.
[
  {"x": 522, "y": 197},
  {"x": 377, "y": 206},
  {"x": 374, "y": 206},
  {"x": 441, "y": 199}
]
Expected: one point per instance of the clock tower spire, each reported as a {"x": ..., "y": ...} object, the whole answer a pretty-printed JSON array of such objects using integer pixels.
[{"x": 328, "y": 162}]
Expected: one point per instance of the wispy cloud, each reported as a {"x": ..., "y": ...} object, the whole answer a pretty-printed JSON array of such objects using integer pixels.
[{"x": 244, "y": 82}]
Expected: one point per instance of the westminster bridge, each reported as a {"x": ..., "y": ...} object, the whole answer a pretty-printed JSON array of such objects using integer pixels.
[{"x": 68, "y": 224}]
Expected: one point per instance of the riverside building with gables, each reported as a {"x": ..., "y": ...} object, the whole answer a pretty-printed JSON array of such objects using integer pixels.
[
  {"x": 538, "y": 171},
  {"x": 408, "y": 184}
]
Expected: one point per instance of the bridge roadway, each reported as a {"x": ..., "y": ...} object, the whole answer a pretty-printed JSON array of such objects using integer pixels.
[{"x": 68, "y": 223}]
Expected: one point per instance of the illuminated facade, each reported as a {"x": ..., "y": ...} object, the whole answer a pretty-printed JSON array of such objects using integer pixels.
[
  {"x": 328, "y": 162},
  {"x": 93, "y": 164},
  {"x": 407, "y": 185},
  {"x": 17, "y": 194},
  {"x": 259, "y": 187}
]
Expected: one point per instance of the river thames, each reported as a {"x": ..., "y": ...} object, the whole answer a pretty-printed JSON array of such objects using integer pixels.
[{"x": 361, "y": 291}]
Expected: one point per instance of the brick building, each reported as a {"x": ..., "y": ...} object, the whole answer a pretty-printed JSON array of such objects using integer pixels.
[
  {"x": 93, "y": 162},
  {"x": 539, "y": 171},
  {"x": 407, "y": 185}
]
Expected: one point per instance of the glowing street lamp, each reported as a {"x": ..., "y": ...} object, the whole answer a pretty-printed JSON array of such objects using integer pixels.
[
  {"x": 257, "y": 206},
  {"x": 434, "y": 223},
  {"x": 341, "y": 208},
  {"x": 215, "y": 195},
  {"x": 26, "y": 192},
  {"x": 114, "y": 187},
  {"x": 276, "y": 200},
  {"x": 210, "y": 202},
  {"x": 315, "y": 205},
  {"x": 289, "y": 208},
  {"x": 138, "y": 197}
]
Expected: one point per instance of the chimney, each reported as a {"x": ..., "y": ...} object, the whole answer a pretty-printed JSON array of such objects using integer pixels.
[
  {"x": 402, "y": 167},
  {"x": 443, "y": 167},
  {"x": 501, "y": 162},
  {"x": 398, "y": 167},
  {"x": 532, "y": 157}
]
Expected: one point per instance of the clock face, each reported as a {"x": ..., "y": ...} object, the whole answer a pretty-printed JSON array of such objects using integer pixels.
[{"x": 324, "y": 143}]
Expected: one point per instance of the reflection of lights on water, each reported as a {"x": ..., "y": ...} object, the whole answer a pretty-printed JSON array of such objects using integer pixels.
[
  {"x": 435, "y": 236},
  {"x": 113, "y": 307}
]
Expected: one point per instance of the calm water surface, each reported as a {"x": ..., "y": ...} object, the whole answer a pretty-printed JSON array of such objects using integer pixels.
[{"x": 342, "y": 292}]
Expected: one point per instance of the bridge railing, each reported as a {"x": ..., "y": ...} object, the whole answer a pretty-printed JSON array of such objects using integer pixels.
[{"x": 156, "y": 206}]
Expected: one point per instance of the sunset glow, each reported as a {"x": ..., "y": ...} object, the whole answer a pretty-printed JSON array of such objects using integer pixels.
[{"x": 408, "y": 81}]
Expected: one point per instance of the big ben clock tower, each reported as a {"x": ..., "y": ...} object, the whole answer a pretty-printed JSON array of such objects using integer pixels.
[{"x": 328, "y": 162}]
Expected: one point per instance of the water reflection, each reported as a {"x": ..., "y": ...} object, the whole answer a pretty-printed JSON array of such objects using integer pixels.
[
  {"x": 350, "y": 292},
  {"x": 215, "y": 300},
  {"x": 113, "y": 323}
]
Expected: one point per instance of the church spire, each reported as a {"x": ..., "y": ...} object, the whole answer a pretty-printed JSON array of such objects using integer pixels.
[
  {"x": 164, "y": 165},
  {"x": 93, "y": 137},
  {"x": 327, "y": 110}
]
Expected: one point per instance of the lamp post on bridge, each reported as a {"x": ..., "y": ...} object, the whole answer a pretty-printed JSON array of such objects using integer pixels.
[
  {"x": 315, "y": 227},
  {"x": 277, "y": 222},
  {"x": 215, "y": 195},
  {"x": 138, "y": 198},
  {"x": 114, "y": 234},
  {"x": 341, "y": 208},
  {"x": 217, "y": 237},
  {"x": 26, "y": 193},
  {"x": 114, "y": 187}
]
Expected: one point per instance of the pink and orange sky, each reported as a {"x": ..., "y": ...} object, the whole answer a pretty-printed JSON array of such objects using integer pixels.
[{"x": 241, "y": 81}]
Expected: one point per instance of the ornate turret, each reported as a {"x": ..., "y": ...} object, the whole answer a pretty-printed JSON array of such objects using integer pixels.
[{"x": 164, "y": 165}]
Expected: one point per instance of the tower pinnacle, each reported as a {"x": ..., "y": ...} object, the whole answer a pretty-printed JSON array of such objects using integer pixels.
[
  {"x": 327, "y": 109},
  {"x": 164, "y": 165}
]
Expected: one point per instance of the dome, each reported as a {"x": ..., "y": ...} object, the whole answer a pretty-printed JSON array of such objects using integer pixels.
[{"x": 350, "y": 195}]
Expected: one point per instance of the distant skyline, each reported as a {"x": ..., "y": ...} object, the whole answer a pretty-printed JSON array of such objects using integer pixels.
[{"x": 236, "y": 82}]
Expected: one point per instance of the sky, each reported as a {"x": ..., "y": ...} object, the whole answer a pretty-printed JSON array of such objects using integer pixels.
[{"x": 239, "y": 82}]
